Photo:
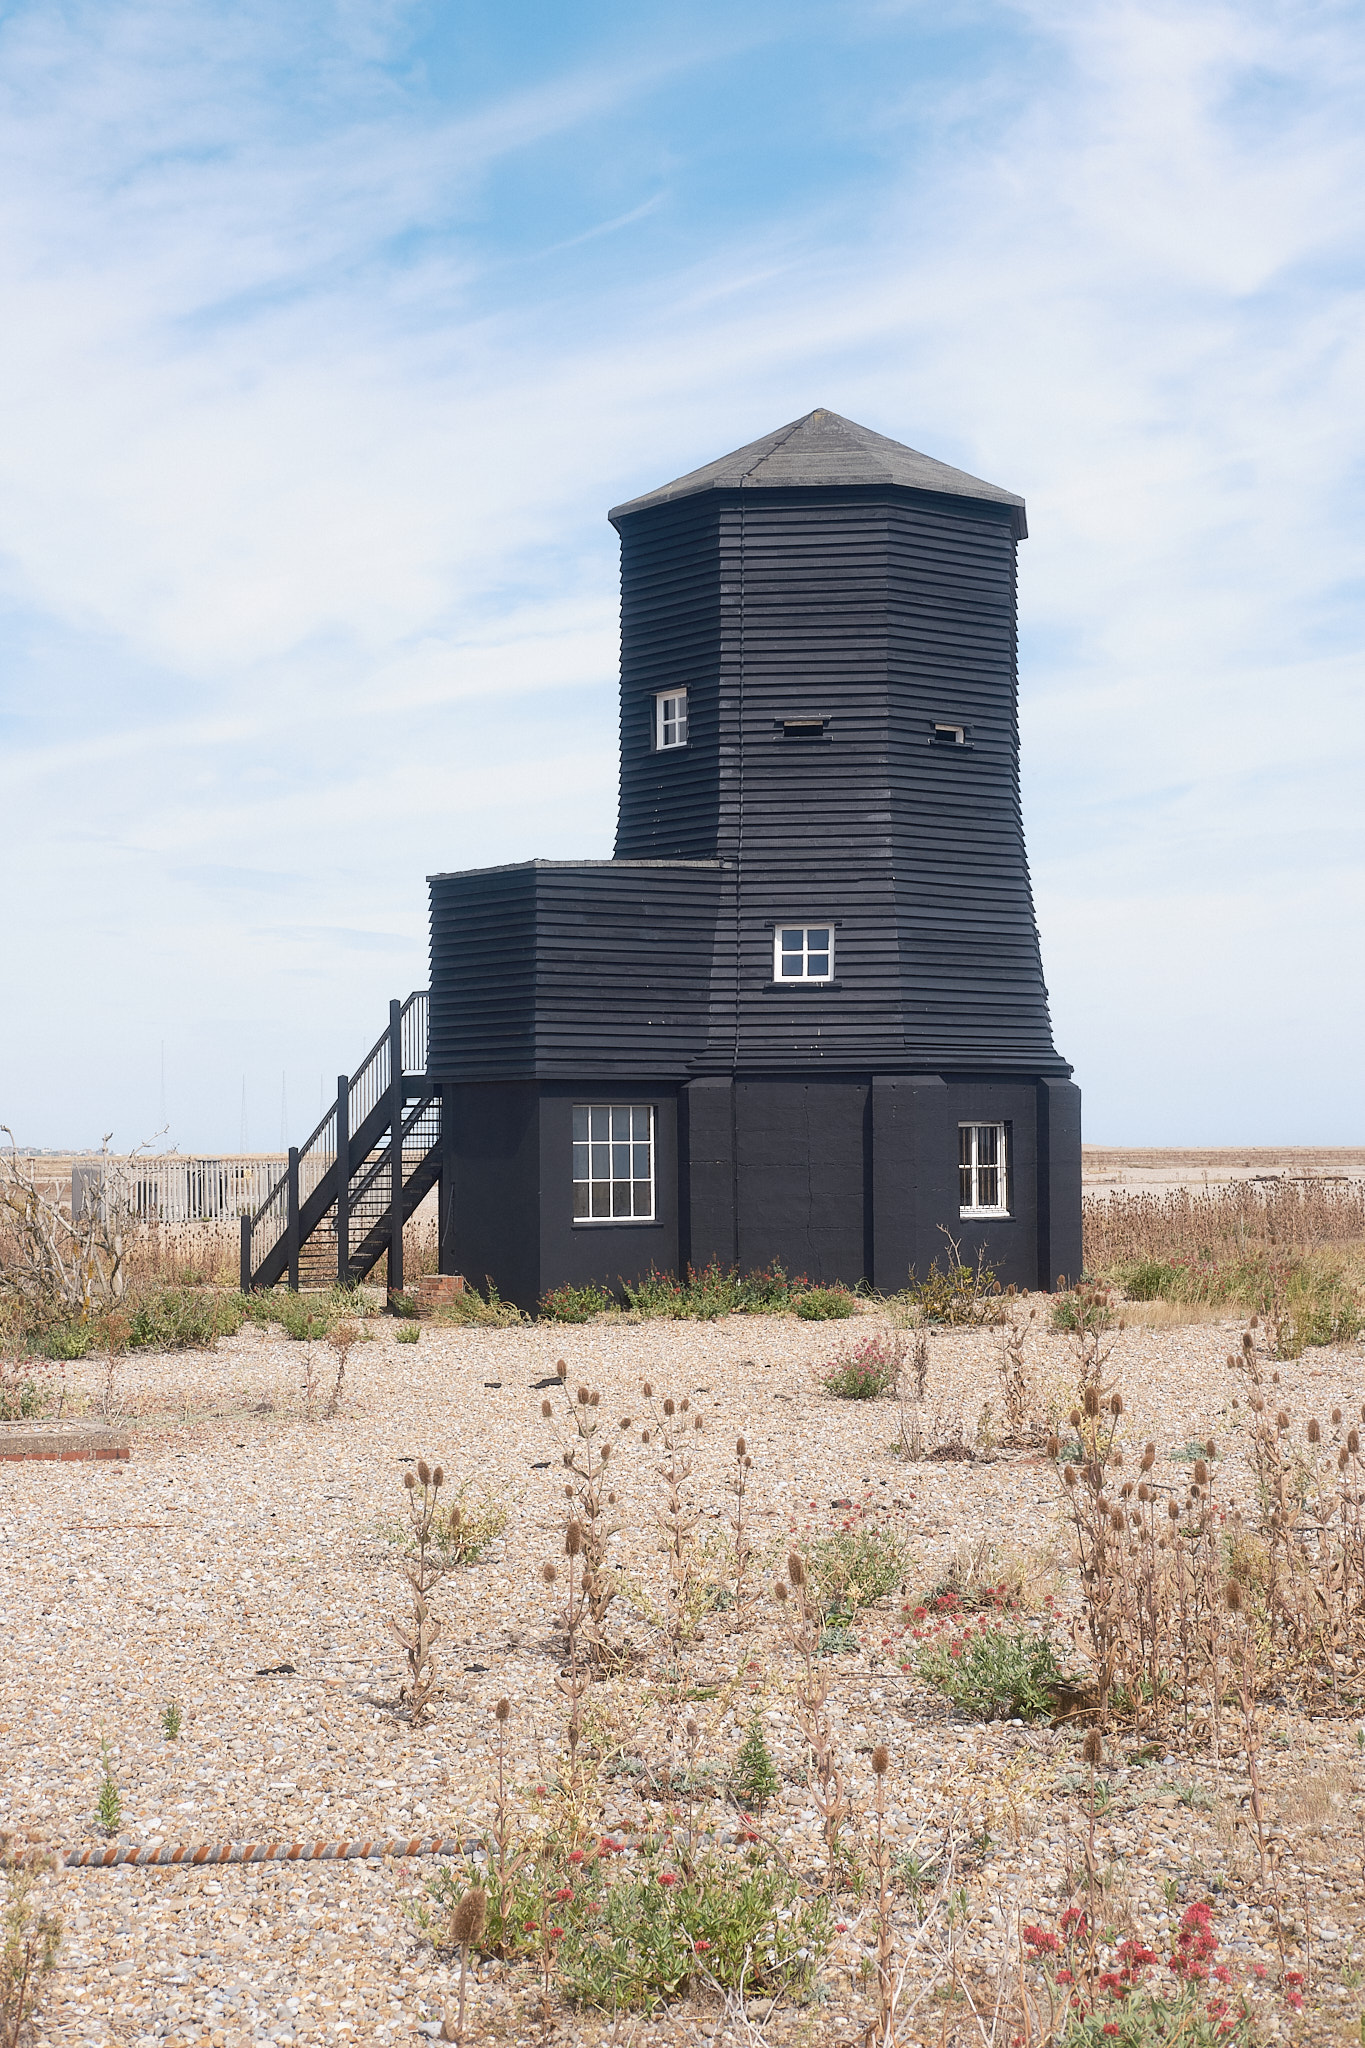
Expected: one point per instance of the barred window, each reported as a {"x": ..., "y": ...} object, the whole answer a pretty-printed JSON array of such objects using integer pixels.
[
  {"x": 982, "y": 1189},
  {"x": 613, "y": 1162}
]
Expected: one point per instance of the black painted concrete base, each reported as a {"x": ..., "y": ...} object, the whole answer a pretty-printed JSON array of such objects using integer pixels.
[{"x": 840, "y": 1177}]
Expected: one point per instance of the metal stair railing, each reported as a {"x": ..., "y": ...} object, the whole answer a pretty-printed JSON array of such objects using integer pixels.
[{"x": 316, "y": 1184}]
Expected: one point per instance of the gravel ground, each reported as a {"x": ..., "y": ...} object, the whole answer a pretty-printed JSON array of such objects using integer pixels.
[{"x": 241, "y": 1537}]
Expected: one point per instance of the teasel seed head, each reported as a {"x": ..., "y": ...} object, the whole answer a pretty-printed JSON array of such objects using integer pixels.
[
  {"x": 1144, "y": 1491},
  {"x": 424, "y": 1472},
  {"x": 648, "y": 1391},
  {"x": 503, "y": 1709},
  {"x": 1256, "y": 1404},
  {"x": 611, "y": 1500},
  {"x": 740, "y": 1447},
  {"x": 606, "y": 1452},
  {"x": 1201, "y": 1472},
  {"x": 568, "y": 1464},
  {"x": 549, "y": 1574},
  {"x": 409, "y": 1478},
  {"x": 1116, "y": 1404},
  {"x": 1054, "y": 1445},
  {"x": 1069, "y": 1475},
  {"x": 1118, "y": 1520},
  {"x": 1173, "y": 1510},
  {"x": 1353, "y": 1442},
  {"x": 1336, "y": 1418},
  {"x": 1343, "y": 1458},
  {"x": 645, "y": 1436},
  {"x": 780, "y": 1590},
  {"x": 693, "y": 1731},
  {"x": 698, "y": 1421},
  {"x": 470, "y": 1917},
  {"x": 546, "y": 1410},
  {"x": 1074, "y": 1418},
  {"x": 1274, "y": 1379},
  {"x": 1211, "y": 1450},
  {"x": 561, "y": 1368},
  {"x": 1092, "y": 1749},
  {"x": 748, "y": 1464},
  {"x": 796, "y": 1570},
  {"x": 669, "y": 1408},
  {"x": 881, "y": 1760},
  {"x": 573, "y": 1539},
  {"x": 1127, "y": 1489},
  {"x": 1233, "y": 1596},
  {"x": 684, "y": 1405},
  {"x": 596, "y": 1399},
  {"x": 1091, "y": 1402},
  {"x": 583, "y": 1397},
  {"x": 1314, "y": 1430},
  {"x": 626, "y": 1422},
  {"x": 1148, "y": 1457},
  {"x": 1282, "y": 1420}
]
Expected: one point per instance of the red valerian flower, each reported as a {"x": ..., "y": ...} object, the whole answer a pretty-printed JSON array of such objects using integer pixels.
[
  {"x": 554, "y": 1933},
  {"x": 575, "y": 1855},
  {"x": 1109, "y": 2028},
  {"x": 1065, "y": 1977},
  {"x": 1294, "y": 1999},
  {"x": 565, "y": 1892},
  {"x": 667, "y": 1877},
  {"x": 1042, "y": 1940},
  {"x": 701, "y": 1946}
]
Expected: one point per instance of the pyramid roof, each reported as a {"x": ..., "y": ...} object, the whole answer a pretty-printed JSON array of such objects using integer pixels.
[{"x": 823, "y": 448}]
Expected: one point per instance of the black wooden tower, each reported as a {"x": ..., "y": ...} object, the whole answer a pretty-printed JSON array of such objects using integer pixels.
[{"x": 800, "y": 1015}]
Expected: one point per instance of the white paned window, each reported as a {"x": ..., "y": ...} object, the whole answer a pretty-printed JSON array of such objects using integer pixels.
[
  {"x": 982, "y": 1189},
  {"x": 803, "y": 952},
  {"x": 613, "y": 1162},
  {"x": 670, "y": 719}
]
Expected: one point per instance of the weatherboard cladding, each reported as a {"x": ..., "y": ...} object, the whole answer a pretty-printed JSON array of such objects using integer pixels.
[
  {"x": 881, "y": 609},
  {"x": 559, "y": 969}
]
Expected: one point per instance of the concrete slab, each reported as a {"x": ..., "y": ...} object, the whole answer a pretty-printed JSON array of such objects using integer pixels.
[{"x": 62, "y": 1441}]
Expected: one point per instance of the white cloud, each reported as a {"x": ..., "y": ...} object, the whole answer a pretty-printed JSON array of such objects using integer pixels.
[{"x": 301, "y": 498}]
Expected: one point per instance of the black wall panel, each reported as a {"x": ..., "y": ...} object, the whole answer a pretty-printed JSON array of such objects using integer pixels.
[
  {"x": 802, "y": 1158},
  {"x": 573, "y": 1253}
]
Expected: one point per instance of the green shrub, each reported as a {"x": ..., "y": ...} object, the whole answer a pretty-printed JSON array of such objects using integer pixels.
[
  {"x": 574, "y": 1304},
  {"x": 470, "y": 1310},
  {"x": 20, "y": 1394},
  {"x": 65, "y": 1340},
  {"x": 754, "y": 1780},
  {"x": 991, "y": 1672},
  {"x": 303, "y": 1320},
  {"x": 631, "y": 1939},
  {"x": 824, "y": 1304},
  {"x": 852, "y": 1567},
  {"x": 872, "y": 1368},
  {"x": 183, "y": 1319},
  {"x": 407, "y": 1333},
  {"x": 1153, "y": 1280},
  {"x": 967, "y": 1295},
  {"x": 713, "y": 1290}
]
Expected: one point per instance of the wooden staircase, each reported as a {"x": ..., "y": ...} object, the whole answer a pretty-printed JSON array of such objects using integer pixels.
[{"x": 346, "y": 1193}]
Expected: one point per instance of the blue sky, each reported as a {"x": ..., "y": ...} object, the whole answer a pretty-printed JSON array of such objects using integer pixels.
[{"x": 332, "y": 330}]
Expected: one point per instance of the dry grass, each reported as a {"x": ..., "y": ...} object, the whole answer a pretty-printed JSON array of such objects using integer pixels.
[{"x": 1225, "y": 1224}]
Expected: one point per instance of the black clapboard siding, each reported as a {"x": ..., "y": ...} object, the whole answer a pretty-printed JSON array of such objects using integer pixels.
[{"x": 572, "y": 968}]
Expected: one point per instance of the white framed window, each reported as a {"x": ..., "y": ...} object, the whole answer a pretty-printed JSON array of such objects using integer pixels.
[
  {"x": 950, "y": 735},
  {"x": 983, "y": 1188},
  {"x": 613, "y": 1162},
  {"x": 803, "y": 952},
  {"x": 670, "y": 719}
]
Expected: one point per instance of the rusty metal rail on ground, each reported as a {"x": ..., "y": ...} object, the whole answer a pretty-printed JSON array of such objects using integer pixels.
[{"x": 111, "y": 1855}]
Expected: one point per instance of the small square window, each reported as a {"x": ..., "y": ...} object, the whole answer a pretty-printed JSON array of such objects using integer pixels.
[
  {"x": 950, "y": 735},
  {"x": 670, "y": 720},
  {"x": 983, "y": 1188},
  {"x": 803, "y": 952},
  {"x": 613, "y": 1162}
]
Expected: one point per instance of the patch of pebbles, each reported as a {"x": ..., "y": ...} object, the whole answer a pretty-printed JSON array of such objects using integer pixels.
[{"x": 241, "y": 1539}]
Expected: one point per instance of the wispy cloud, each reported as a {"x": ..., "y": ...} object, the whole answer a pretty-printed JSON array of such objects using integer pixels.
[{"x": 317, "y": 377}]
